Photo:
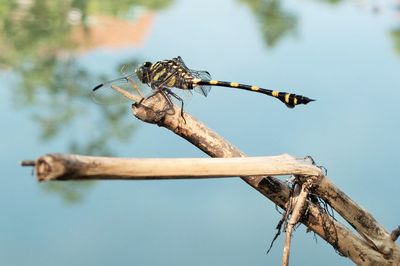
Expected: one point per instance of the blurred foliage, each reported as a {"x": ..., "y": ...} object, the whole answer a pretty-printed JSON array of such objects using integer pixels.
[
  {"x": 275, "y": 22},
  {"x": 35, "y": 41},
  {"x": 123, "y": 7},
  {"x": 71, "y": 192},
  {"x": 331, "y": 2},
  {"x": 34, "y": 28},
  {"x": 395, "y": 34}
]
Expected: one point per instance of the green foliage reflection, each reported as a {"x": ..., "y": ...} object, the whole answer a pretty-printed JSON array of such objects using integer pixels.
[
  {"x": 275, "y": 22},
  {"x": 395, "y": 34},
  {"x": 36, "y": 43}
]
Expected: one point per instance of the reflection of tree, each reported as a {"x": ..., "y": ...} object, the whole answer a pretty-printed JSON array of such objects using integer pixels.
[
  {"x": 395, "y": 33},
  {"x": 332, "y": 2},
  {"x": 123, "y": 7},
  {"x": 35, "y": 42},
  {"x": 30, "y": 29},
  {"x": 70, "y": 192},
  {"x": 275, "y": 22},
  {"x": 60, "y": 89}
]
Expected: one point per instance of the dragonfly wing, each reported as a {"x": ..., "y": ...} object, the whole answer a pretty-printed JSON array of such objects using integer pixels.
[
  {"x": 104, "y": 94},
  {"x": 179, "y": 60},
  {"x": 203, "y": 75}
]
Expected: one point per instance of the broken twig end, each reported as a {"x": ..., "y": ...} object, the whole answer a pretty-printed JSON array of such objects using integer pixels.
[
  {"x": 31, "y": 163},
  {"x": 395, "y": 233}
]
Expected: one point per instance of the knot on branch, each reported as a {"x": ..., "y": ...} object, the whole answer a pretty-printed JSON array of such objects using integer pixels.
[
  {"x": 43, "y": 167},
  {"x": 158, "y": 109},
  {"x": 152, "y": 109}
]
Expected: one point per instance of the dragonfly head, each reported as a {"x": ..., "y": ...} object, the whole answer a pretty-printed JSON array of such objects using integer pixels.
[{"x": 143, "y": 72}]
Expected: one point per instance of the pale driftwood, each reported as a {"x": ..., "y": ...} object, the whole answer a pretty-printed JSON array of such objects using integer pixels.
[{"x": 78, "y": 167}]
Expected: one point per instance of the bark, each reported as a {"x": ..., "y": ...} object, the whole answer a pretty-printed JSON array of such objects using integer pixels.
[
  {"x": 374, "y": 245},
  {"x": 78, "y": 167}
]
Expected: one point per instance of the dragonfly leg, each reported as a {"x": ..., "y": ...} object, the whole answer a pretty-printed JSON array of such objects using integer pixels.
[
  {"x": 165, "y": 96},
  {"x": 164, "y": 93},
  {"x": 169, "y": 92},
  {"x": 136, "y": 87}
]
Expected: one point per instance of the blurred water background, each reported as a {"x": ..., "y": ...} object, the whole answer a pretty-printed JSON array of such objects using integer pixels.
[{"x": 345, "y": 54}]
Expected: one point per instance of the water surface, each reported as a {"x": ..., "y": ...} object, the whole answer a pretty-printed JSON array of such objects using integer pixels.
[{"x": 345, "y": 54}]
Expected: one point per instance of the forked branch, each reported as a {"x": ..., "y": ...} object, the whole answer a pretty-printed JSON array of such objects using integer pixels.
[
  {"x": 374, "y": 246},
  {"x": 360, "y": 250},
  {"x": 296, "y": 210}
]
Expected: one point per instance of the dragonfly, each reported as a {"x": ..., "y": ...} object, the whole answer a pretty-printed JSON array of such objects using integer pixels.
[{"x": 163, "y": 76}]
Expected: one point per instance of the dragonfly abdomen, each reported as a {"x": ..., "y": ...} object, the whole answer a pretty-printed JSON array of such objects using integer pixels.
[{"x": 290, "y": 99}]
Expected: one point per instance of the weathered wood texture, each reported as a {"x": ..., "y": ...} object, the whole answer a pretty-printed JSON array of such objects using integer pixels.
[
  {"x": 374, "y": 245},
  {"x": 359, "y": 218},
  {"x": 371, "y": 248},
  {"x": 78, "y": 167}
]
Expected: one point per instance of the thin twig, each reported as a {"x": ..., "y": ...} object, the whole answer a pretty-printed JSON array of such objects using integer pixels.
[
  {"x": 395, "y": 234},
  {"x": 28, "y": 163},
  {"x": 298, "y": 202}
]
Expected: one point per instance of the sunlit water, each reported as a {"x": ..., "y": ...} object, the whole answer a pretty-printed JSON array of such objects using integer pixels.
[{"x": 345, "y": 55}]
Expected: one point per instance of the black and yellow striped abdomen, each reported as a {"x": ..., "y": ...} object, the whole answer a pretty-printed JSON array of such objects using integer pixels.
[
  {"x": 174, "y": 73},
  {"x": 290, "y": 99}
]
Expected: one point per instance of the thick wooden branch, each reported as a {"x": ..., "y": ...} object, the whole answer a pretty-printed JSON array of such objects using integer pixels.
[
  {"x": 78, "y": 167},
  {"x": 357, "y": 249},
  {"x": 371, "y": 248},
  {"x": 359, "y": 218}
]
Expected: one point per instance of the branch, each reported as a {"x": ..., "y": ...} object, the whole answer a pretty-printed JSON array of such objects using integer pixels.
[
  {"x": 359, "y": 218},
  {"x": 156, "y": 110},
  {"x": 152, "y": 110},
  {"x": 78, "y": 167},
  {"x": 395, "y": 234},
  {"x": 298, "y": 201}
]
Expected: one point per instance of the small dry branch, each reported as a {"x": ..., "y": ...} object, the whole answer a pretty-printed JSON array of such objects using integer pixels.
[
  {"x": 395, "y": 234},
  {"x": 297, "y": 208},
  {"x": 78, "y": 167}
]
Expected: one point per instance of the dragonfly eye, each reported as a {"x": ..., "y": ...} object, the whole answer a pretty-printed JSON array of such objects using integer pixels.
[
  {"x": 142, "y": 73},
  {"x": 147, "y": 64}
]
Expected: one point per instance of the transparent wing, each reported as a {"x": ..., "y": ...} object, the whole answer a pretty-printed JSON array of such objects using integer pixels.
[
  {"x": 203, "y": 75},
  {"x": 179, "y": 60},
  {"x": 184, "y": 95},
  {"x": 103, "y": 94}
]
